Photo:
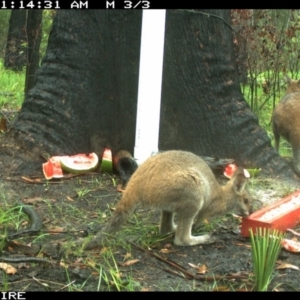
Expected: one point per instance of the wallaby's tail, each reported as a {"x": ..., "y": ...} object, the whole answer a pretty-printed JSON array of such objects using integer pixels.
[{"x": 121, "y": 214}]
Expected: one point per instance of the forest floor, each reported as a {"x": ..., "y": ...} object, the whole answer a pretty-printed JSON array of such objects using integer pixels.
[{"x": 137, "y": 258}]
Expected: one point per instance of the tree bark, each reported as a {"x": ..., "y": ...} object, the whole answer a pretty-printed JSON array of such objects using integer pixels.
[
  {"x": 203, "y": 109},
  {"x": 34, "y": 36},
  {"x": 15, "y": 53},
  {"x": 84, "y": 98}
]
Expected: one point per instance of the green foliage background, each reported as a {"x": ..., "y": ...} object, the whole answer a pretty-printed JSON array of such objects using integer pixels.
[{"x": 12, "y": 84}]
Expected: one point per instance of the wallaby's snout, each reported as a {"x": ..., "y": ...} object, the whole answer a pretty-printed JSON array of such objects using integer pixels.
[{"x": 244, "y": 205}]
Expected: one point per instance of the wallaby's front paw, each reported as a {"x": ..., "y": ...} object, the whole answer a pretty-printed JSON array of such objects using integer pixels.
[{"x": 194, "y": 240}]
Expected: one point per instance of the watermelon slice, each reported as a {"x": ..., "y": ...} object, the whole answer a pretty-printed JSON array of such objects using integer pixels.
[
  {"x": 231, "y": 168},
  {"x": 52, "y": 168},
  {"x": 79, "y": 163}
]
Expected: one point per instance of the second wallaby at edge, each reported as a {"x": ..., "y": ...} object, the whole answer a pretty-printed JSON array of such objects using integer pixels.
[
  {"x": 178, "y": 183},
  {"x": 286, "y": 120}
]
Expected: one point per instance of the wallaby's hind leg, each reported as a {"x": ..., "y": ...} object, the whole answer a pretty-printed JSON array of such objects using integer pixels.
[
  {"x": 296, "y": 159},
  {"x": 183, "y": 235},
  {"x": 167, "y": 222},
  {"x": 276, "y": 137}
]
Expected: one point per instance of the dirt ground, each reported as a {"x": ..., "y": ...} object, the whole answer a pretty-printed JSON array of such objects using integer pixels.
[{"x": 138, "y": 259}]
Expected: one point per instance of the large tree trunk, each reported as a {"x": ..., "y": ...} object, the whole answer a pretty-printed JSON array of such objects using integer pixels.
[
  {"x": 15, "y": 53},
  {"x": 85, "y": 94},
  {"x": 203, "y": 109},
  {"x": 34, "y": 36}
]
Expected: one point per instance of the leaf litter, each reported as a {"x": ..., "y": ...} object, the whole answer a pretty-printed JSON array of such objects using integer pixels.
[{"x": 163, "y": 266}]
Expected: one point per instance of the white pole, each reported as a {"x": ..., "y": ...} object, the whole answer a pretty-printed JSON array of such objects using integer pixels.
[{"x": 150, "y": 82}]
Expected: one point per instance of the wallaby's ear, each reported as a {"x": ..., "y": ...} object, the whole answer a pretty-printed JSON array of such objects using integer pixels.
[{"x": 239, "y": 179}]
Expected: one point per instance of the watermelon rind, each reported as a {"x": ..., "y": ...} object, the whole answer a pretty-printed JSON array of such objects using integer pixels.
[
  {"x": 106, "y": 164},
  {"x": 79, "y": 163}
]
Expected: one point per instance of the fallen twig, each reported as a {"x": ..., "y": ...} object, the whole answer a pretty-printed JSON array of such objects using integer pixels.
[
  {"x": 167, "y": 261},
  {"x": 182, "y": 272},
  {"x": 67, "y": 285},
  {"x": 24, "y": 259}
]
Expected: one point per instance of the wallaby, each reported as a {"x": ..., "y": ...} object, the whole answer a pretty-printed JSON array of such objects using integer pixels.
[
  {"x": 181, "y": 183},
  {"x": 286, "y": 120},
  {"x": 125, "y": 165}
]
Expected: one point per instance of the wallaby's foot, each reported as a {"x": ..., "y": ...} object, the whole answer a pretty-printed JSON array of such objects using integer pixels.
[
  {"x": 296, "y": 160},
  {"x": 194, "y": 240}
]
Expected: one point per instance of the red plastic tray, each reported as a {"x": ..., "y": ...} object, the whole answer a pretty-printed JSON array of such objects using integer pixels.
[{"x": 288, "y": 219}]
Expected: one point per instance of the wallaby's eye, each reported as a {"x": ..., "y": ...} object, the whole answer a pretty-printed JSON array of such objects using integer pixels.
[{"x": 246, "y": 201}]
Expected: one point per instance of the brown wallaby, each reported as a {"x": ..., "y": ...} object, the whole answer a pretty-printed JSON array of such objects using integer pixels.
[
  {"x": 125, "y": 165},
  {"x": 181, "y": 183},
  {"x": 286, "y": 120}
]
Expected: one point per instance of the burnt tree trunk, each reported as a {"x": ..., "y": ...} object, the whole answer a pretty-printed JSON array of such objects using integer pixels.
[
  {"x": 84, "y": 98},
  {"x": 15, "y": 53},
  {"x": 203, "y": 109},
  {"x": 34, "y": 36}
]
